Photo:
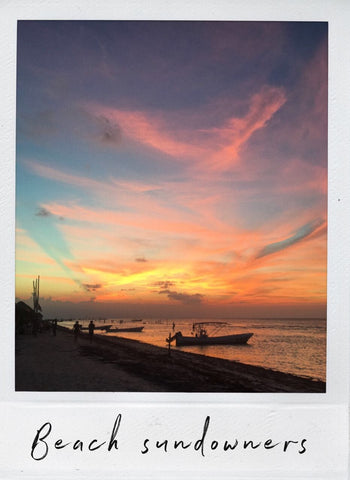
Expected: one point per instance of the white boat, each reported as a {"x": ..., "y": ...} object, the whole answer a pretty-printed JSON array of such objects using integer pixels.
[{"x": 200, "y": 336}]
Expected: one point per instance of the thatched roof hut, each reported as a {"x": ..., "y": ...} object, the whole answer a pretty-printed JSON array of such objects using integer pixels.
[{"x": 26, "y": 318}]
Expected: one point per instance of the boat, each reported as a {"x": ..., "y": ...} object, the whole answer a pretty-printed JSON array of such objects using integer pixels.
[
  {"x": 200, "y": 336},
  {"x": 103, "y": 327},
  {"x": 99, "y": 327},
  {"x": 125, "y": 329}
]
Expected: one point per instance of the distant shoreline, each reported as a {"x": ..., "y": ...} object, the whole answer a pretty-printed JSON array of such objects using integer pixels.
[
  {"x": 48, "y": 363},
  {"x": 176, "y": 317}
]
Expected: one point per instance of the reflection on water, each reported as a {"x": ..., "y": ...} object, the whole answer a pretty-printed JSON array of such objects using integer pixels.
[{"x": 295, "y": 346}]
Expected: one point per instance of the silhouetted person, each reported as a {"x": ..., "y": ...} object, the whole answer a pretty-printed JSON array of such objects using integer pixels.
[
  {"x": 91, "y": 330},
  {"x": 173, "y": 326},
  {"x": 76, "y": 330},
  {"x": 54, "y": 327}
]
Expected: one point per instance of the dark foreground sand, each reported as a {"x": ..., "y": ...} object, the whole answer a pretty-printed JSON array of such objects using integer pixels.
[{"x": 57, "y": 363}]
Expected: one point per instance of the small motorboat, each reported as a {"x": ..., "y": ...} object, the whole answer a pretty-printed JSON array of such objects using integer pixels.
[
  {"x": 125, "y": 329},
  {"x": 200, "y": 336},
  {"x": 99, "y": 327}
]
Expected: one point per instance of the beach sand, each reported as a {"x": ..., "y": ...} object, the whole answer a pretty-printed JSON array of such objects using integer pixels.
[{"x": 114, "y": 364}]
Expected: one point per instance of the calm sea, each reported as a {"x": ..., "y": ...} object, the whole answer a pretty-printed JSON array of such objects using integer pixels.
[{"x": 295, "y": 346}]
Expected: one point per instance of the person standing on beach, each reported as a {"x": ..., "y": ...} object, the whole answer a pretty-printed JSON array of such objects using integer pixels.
[
  {"x": 91, "y": 330},
  {"x": 76, "y": 330},
  {"x": 54, "y": 327}
]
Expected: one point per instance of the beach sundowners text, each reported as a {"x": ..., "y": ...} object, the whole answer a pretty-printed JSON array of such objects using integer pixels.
[{"x": 44, "y": 442}]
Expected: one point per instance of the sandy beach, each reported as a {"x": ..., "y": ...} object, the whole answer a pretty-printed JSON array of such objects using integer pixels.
[{"x": 58, "y": 363}]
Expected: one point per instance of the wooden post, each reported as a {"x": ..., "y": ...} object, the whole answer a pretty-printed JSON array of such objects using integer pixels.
[{"x": 169, "y": 344}]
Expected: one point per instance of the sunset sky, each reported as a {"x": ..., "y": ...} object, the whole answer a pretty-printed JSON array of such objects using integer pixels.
[{"x": 172, "y": 168}]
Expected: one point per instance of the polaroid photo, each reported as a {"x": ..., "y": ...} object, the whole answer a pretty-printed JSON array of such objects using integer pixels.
[{"x": 176, "y": 221}]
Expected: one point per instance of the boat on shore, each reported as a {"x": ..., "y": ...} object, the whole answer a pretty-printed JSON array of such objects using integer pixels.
[
  {"x": 99, "y": 327},
  {"x": 200, "y": 336},
  {"x": 125, "y": 329}
]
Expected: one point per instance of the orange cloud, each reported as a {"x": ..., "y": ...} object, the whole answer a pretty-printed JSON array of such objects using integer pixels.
[
  {"x": 284, "y": 276},
  {"x": 130, "y": 219}
]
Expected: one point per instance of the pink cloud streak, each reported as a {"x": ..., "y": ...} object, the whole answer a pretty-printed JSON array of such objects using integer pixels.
[
  {"x": 222, "y": 144},
  {"x": 238, "y": 131},
  {"x": 148, "y": 130}
]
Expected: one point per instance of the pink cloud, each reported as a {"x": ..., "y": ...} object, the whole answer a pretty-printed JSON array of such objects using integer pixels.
[
  {"x": 150, "y": 130},
  {"x": 238, "y": 131},
  {"x": 221, "y": 146},
  {"x": 187, "y": 220},
  {"x": 186, "y": 207},
  {"x": 136, "y": 186},
  {"x": 68, "y": 178},
  {"x": 129, "y": 219}
]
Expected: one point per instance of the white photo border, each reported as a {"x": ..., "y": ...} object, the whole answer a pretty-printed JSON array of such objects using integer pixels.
[{"x": 315, "y": 409}]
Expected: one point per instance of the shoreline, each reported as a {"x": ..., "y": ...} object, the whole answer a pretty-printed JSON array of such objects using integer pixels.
[{"x": 117, "y": 364}]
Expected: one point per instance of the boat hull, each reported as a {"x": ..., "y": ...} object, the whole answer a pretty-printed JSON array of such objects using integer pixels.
[
  {"x": 126, "y": 329},
  {"x": 238, "y": 339},
  {"x": 100, "y": 327}
]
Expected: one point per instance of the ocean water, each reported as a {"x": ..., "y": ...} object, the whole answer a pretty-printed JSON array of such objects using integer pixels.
[{"x": 296, "y": 346}]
